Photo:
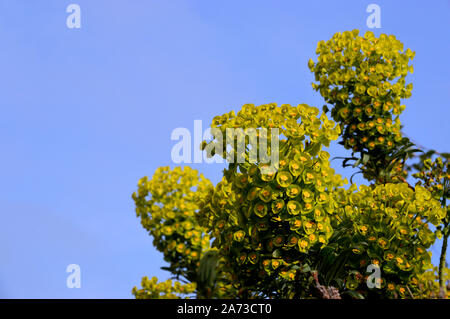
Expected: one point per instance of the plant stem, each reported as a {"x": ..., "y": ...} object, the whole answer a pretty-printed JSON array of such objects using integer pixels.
[
  {"x": 442, "y": 283},
  {"x": 442, "y": 259}
]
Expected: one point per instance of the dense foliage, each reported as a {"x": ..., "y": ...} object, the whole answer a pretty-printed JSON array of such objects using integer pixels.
[{"x": 299, "y": 231}]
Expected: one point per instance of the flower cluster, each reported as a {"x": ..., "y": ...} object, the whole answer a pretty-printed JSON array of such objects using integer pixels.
[
  {"x": 364, "y": 79},
  {"x": 151, "y": 289},
  {"x": 269, "y": 116},
  {"x": 435, "y": 176},
  {"x": 389, "y": 228},
  {"x": 429, "y": 285},
  {"x": 281, "y": 222},
  {"x": 167, "y": 205},
  {"x": 265, "y": 223}
]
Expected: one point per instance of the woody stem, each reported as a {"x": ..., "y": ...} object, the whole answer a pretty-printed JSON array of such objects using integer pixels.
[{"x": 442, "y": 283}]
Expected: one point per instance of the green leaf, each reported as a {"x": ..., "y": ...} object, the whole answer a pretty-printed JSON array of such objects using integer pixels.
[
  {"x": 305, "y": 268},
  {"x": 353, "y": 294},
  {"x": 313, "y": 149},
  {"x": 357, "y": 163},
  {"x": 365, "y": 158}
]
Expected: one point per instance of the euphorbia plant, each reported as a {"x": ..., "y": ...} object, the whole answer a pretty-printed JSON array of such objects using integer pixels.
[{"x": 298, "y": 231}]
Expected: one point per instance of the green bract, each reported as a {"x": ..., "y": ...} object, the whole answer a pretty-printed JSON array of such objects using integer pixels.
[{"x": 284, "y": 178}]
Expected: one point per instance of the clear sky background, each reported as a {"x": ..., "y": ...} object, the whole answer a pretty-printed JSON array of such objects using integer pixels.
[{"x": 86, "y": 112}]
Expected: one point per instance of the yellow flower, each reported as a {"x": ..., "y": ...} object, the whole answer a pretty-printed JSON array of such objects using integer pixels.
[
  {"x": 278, "y": 240},
  {"x": 275, "y": 264},
  {"x": 303, "y": 243},
  {"x": 293, "y": 240}
]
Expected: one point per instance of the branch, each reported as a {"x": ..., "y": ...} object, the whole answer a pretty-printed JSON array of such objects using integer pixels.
[{"x": 326, "y": 292}]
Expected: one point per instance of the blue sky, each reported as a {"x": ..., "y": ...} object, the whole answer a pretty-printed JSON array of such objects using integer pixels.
[{"x": 86, "y": 112}]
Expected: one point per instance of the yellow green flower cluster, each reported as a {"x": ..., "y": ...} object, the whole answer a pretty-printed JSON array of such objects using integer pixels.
[
  {"x": 363, "y": 78},
  {"x": 167, "y": 205},
  {"x": 151, "y": 289},
  {"x": 429, "y": 285},
  {"x": 266, "y": 223},
  {"x": 320, "y": 130},
  {"x": 281, "y": 229},
  {"x": 434, "y": 176},
  {"x": 389, "y": 229}
]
